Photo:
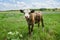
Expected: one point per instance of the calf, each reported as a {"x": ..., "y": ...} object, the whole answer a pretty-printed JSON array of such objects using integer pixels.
[{"x": 32, "y": 17}]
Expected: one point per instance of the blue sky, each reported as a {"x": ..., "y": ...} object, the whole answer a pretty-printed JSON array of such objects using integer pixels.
[{"x": 23, "y": 4}]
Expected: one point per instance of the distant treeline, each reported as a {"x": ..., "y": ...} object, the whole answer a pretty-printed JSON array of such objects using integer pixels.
[
  {"x": 48, "y": 9},
  {"x": 41, "y": 9}
]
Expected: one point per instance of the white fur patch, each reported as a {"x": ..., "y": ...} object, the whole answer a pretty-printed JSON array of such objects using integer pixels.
[{"x": 27, "y": 13}]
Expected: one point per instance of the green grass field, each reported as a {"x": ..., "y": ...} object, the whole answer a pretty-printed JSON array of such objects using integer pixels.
[{"x": 14, "y": 21}]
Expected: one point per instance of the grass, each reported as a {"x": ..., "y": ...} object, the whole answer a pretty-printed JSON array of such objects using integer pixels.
[{"x": 15, "y": 21}]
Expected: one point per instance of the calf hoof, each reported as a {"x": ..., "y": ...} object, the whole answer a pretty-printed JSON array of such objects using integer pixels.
[{"x": 29, "y": 33}]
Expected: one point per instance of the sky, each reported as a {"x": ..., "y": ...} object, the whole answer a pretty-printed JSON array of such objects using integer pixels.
[{"x": 25, "y": 4}]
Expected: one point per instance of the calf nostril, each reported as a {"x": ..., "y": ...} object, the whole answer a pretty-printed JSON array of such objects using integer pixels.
[{"x": 26, "y": 16}]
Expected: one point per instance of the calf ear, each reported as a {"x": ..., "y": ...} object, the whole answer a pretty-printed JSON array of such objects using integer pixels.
[
  {"x": 32, "y": 11},
  {"x": 21, "y": 11}
]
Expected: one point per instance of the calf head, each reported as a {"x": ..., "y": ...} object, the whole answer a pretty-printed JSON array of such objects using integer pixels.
[{"x": 27, "y": 12}]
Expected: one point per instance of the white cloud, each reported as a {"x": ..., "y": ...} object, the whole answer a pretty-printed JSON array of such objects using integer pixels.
[
  {"x": 52, "y": 3},
  {"x": 46, "y": 4},
  {"x": 38, "y": 5},
  {"x": 18, "y": 5},
  {"x": 33, "y": 4},
  {"x": 23, "y": 5},
  {"x": 12, "y": 1},
  {"x": 7, "y": 6}
]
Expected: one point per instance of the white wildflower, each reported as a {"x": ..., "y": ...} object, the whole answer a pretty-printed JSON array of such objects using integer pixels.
[
  {"x": 9, "y": 32},
  {"x": 17, "y": 32},
  {"x": 21, "y": 35}
]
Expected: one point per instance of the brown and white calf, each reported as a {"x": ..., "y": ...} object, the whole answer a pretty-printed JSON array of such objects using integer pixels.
[{"x": 32, "y": 17}]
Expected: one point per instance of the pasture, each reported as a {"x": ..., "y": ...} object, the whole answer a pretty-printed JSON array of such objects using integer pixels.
[{"x": 14, "y": 21}]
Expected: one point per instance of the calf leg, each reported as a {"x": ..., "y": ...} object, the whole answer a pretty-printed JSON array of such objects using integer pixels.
[
  {"x": 29, "y": 29},
  {"x": 38, "y": 24},
  {"x": 42, "y": 22},
  {"x": 32, "y": 27}
]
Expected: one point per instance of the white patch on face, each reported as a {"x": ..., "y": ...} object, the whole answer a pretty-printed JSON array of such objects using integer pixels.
[{"x": 27, "y": 13}]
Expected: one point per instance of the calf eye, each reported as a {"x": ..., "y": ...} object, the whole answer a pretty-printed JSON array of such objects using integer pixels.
[
  {"x": 24, "y": 13},
  {"x": 32, "y": 11}
]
